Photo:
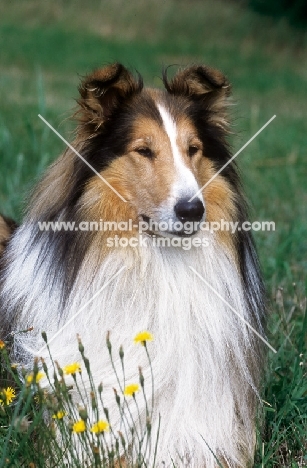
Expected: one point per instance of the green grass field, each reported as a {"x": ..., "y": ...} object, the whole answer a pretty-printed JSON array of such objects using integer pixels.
[{"x": 46, "y": 46}]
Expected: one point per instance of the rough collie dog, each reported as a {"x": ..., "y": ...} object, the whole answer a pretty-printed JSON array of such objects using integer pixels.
[{"x": 155, "y": 150}]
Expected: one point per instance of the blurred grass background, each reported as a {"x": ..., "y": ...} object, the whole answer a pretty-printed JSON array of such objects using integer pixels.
[{"x": 45, "y": 46}]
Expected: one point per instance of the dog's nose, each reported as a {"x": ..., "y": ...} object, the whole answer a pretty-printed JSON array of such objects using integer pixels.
[{"x": 189, "y": 211}]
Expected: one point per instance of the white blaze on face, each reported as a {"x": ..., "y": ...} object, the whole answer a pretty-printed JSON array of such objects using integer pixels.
[{"x": 185, "y": 184}]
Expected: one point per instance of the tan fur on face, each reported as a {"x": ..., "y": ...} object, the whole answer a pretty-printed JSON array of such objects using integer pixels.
[
  {"x": 220, "y": 201},
  {"x": 146, "y": 182},
  {"x": 143, "y": 182}
]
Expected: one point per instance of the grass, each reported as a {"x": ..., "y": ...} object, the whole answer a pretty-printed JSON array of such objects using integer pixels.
[
  {"x": 283, "y": 441},
  {"x": 46, "y": 46}
]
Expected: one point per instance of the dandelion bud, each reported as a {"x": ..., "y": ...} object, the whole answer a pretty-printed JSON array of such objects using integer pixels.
[
  {"x": 80, "y": 345},
  {"x": 100, "y": 388},
  {"x": 60, "y": 371},
  {"x": 117, "y": 398},
  {"x": 93, "y": 399},
  {"x": 96, "y": 454},
  {"x": 148, "y": 425},
  {"x": 141, "y": 377},
  {"x": 87, "y": 364},
  {"x": 83, "y": 413},
  {"x": 95, "y": 450},
  {"x": 45, "y": 368},
  {"x": 122, "y": 439},
  {"x": 109, "y": 342},
  {"x": 44, "y": 336},
  {"x": 55, "y": 378},
  {"x": 121, "y": 352}
]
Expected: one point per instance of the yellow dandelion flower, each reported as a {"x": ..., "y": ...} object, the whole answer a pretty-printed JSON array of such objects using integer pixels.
[
  {"x": 79, "y": 426},
  {"x": 142, "y": 337},
  {"x": 100, "y": 426},
  {"x": 38, "y": 377},
  {"x": 59, "y": 415},
  {"x": 2, "y": 344},
  {"x": 8, "y": 395},
  {"x": 72, "y": 368},
  {"x": 131, "y": 389}
]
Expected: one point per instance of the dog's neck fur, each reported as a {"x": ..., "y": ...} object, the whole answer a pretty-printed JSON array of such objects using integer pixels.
[{"x": 204, "y": 369}]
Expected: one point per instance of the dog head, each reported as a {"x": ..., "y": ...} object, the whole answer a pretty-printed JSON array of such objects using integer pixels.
[{"x": 156, "y": 148}]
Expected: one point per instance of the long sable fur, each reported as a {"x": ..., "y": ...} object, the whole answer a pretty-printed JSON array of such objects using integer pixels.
[{"x": 207, "y": 363}]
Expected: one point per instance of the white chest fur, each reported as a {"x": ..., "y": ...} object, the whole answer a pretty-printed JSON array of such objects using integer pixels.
[{"x": 202, "y": 378}]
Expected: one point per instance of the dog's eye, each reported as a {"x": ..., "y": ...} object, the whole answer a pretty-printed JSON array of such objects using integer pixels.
[
  {"x": 192, "y": 150},
  {"x": 145, "y": 152}
]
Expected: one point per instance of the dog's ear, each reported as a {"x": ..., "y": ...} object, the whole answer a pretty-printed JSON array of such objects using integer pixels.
[
  {"x": 204, "y": 84},
  {"x": 102, "y": 92}
]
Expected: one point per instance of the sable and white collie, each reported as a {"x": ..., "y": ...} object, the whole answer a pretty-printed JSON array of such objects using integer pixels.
[{"x": 155, "y": 149}]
